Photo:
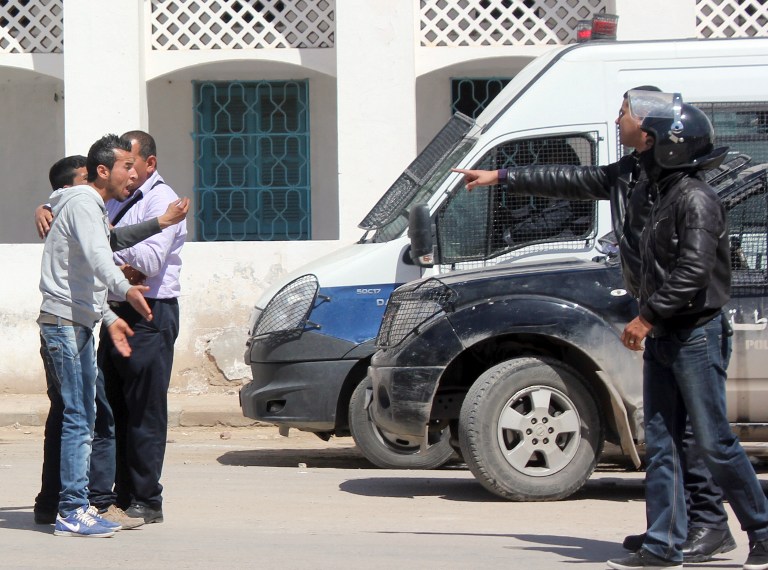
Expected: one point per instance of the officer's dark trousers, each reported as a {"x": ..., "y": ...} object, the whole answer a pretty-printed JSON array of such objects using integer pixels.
[{"x": 137, "y": 389}]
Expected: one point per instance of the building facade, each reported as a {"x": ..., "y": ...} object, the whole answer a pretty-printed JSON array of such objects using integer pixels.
[{"x": 283, "y": 120}]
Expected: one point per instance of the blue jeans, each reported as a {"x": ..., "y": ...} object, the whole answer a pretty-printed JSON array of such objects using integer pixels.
[
  {"x": 72, "y": 354},
  {"x": 704, "y": 498},
  {"x": 684, "y": 373},
  {"x": 102, "y": 454}
]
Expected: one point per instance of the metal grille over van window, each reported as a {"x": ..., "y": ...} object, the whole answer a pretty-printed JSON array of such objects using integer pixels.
[
  {"x": 490, "y": 224},
  {"x": 741, "y": 126},
  {"x": 746, "y": 201},
  {"x": 409, "y": 307},
  {"x": 289, "y": 309},
  {"x": 394, "y": 201}
]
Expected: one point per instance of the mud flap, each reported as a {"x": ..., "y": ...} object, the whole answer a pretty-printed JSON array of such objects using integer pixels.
[{"x": 622, "y": 421}]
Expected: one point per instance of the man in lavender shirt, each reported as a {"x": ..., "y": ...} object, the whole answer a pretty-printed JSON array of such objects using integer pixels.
[{"x": 137, "y": 386}]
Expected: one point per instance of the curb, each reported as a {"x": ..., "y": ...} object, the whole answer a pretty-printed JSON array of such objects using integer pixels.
[{"x": 184, "y": 410}]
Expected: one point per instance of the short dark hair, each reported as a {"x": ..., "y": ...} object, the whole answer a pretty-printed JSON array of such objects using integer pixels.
[
  {"x": 62, "y": 173},
  {"x": 147, "y": 146},
  {"x": 103, "y": 152},
  {"x": 643, "y": 88}
]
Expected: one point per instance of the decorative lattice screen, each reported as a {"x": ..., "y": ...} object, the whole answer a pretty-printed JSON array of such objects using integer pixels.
[
  {"x": 731, "y": 18},
  {"x": 31, "y": 26},
  {"x": 220, "y": 24},
  {"x": 503, "y": 22}
]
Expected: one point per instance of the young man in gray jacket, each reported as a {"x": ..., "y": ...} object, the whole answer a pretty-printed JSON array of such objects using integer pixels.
[
  {"x": 65, "y": 173},
  {"x": 76, "y": 272}
]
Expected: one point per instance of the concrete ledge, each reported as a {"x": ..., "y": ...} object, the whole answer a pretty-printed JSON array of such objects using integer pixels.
[{"x": 184, "y": 410}]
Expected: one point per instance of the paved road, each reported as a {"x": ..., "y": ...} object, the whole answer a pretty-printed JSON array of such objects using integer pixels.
[{"x": 252, "y": 499}]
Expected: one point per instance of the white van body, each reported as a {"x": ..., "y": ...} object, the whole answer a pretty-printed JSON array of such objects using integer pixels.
[{"x": 309, "y": 353}]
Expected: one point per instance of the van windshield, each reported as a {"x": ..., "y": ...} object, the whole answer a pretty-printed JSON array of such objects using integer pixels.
[{"x": 389, "y": 217}]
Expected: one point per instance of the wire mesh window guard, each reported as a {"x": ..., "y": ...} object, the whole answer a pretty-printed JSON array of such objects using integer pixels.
[
  {"x": 746, "y": 202},
  {"x": 490, "y": 225},
  {"x": 741, "y": 126},
  {"x": 252, "y": 168}
]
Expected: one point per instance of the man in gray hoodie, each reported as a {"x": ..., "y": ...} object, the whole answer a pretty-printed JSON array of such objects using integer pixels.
[
  {"x": 65, "y": 173},
  {"x": 76, "y": 272}
]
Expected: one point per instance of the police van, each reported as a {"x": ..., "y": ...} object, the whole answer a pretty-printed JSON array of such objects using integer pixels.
[{"x": 311, "y": 336}]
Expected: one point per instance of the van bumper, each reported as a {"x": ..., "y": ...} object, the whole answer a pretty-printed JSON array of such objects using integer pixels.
[
  {"x": 301, "y": 395},
  {"x": 297, "y": 379}
]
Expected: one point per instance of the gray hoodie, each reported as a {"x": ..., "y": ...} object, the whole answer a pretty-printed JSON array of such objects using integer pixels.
[{"x": 77, "y": 266}]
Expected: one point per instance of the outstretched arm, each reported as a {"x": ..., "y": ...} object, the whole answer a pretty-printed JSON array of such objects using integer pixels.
[
  {"x": 127, "y": 236},
  {"x": 475, "y": 178}
]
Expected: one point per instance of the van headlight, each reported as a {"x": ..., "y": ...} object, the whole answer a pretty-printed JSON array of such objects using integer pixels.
[{"x": 289, "y": 309}]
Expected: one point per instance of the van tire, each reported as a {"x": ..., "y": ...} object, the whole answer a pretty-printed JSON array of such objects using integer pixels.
[
  {"x": 557, "y": 431},
  {"x": 384, "y": 450}
]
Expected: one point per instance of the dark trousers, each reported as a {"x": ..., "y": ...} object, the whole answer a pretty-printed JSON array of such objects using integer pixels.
[
  {"x": 684, "y": 376},
  {"x": 137, "y": 388},
  {"x": 100, "y": 480},
  {"x": 703, "y": 497}
]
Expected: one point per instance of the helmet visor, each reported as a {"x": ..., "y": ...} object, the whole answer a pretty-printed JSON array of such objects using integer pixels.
[{"x": 656, "y": 105}]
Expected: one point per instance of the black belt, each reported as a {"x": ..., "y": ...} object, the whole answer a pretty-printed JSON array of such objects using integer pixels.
[
  {"x": 49, "y": 319},
  {"x": 114, "y": 305}
]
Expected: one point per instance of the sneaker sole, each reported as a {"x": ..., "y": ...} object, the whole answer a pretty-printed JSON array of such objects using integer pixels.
[
  {"x": 755, "y": 566},
  {"x": 617, "y": 566},
  {"x": 726, "y": 546},
  {"x": 147, "y": 519},
  {"x": 130, "y": 526},
  {"x": 79, "y": 535}
]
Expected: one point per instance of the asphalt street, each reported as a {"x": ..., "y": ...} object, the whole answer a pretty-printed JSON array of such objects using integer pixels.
[{"x": 249, "y": 498}]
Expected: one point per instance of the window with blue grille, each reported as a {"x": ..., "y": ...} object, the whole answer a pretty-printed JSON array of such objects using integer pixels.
[
  {"x": 252, "y": 179},
  {"x": 470, "y": 96}
]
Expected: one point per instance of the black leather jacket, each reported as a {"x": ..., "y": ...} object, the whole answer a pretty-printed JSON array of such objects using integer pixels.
[
  {"x": 686, "y": 264},
  {"x": 624, "y": 183}
]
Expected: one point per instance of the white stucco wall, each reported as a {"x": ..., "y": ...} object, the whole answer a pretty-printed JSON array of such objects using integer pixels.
[
  {"x": 220, "y": 285},
  {"x": 32, "y": 130},
  {"x": 376, "y": 102}
]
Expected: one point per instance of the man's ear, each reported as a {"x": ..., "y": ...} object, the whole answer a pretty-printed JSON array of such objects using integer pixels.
[
  {"x": 649, "y": 142},
  {"x": 103, "y": 171},
  {"x": 151, "y": 164}
]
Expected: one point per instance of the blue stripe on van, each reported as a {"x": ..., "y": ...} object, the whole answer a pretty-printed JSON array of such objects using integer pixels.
[{"x": 353, "y": 313}]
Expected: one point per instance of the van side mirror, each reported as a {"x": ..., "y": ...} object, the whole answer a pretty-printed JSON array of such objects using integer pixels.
[{"x": 420, "y": 234}]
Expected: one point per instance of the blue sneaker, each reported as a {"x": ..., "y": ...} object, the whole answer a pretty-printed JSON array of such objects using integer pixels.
[
  {"x": 94, "y": 512},
  {"x": 80, "y": 523}
]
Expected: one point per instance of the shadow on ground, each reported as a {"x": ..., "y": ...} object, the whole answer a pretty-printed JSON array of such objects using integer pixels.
[
  {"x": 467, "y": 489},
  {"x": 21, "y": 518},
  {"x": 347, "y": 458},
  {"x": 320, "y": 458}
]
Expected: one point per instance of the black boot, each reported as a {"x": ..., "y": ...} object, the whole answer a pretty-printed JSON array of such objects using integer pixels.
[{"x": 703, "y": 543}]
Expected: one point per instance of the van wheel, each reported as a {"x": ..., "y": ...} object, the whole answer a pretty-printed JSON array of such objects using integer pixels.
[
  {"x": 530, "y": 430},
  {"x": 386, "y": 450}
]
